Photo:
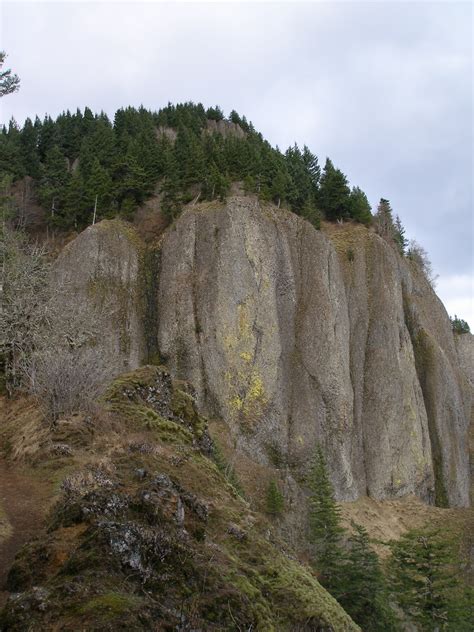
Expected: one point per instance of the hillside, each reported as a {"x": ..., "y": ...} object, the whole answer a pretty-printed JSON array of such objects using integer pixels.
[
  {"x": 147, "y": 532},
  {"x": 190, "y": 352}
]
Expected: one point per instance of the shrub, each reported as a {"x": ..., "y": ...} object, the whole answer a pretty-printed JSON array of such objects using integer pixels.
[
  {"x": 274, "y": 500},
  {"x": 459, "y": 325}
]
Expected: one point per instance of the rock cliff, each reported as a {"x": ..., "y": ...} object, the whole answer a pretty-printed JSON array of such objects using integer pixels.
[
  {"x": 292, "y": 336},
  {"x": 101, "y": 271}
]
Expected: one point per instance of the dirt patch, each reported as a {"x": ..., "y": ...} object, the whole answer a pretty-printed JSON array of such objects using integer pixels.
[
  {"x": 390, "y": 519},
  {"x": 24, "y": 502}
]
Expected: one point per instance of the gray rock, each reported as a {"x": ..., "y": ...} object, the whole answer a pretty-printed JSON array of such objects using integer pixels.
[
  {"x": 291, "y": 341},
  {"x": 100, "y": 271}
]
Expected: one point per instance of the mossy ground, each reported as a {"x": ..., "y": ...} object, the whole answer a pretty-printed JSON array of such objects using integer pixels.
[{"x": 219, "y": 570}]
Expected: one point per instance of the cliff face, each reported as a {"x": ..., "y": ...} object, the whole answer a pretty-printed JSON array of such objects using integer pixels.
[
  {"x": 292, "y": 336},
  {"x": 101, "y": 270}
]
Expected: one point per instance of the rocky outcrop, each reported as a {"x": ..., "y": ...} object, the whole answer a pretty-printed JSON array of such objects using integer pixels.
[
  {"x": 294, "y": 336},
  {"x": 465, "y": 350},
  {"x": 101, "y": 270},
  {"x": 446, "y": 392},
  {"x": 154, "y": 536}
]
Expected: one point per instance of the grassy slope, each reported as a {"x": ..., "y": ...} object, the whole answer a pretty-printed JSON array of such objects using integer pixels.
[{"x": 118, "y": 553}]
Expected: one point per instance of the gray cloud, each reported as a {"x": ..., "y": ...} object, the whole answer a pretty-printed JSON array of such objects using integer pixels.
[{"x": 384, "y": 89}]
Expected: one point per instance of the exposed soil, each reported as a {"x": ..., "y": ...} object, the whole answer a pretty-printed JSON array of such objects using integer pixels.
[{"x": 25, "y": 501}]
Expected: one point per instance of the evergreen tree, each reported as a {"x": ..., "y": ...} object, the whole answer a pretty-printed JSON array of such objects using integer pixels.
[
  {"x": 235, "y": 118},
  {"x": 399, "y": 236},
  {"x": 365, "y": 594},
  {"x": 274, "y": 499},
  {"x": 99, "y": 189},
  {"x": 311, "y": 213},
  {"x": 459, "y": 325},
  {"x": 425, "y": 581},
  {"x": 29, "y": 149},
  {"x": 359, "y": 206},
  {"x": 54, "y": 180},
  {"x": 48, "y": 137},
  {"x": 303, "y": 174},
  {"x": 325, "y": 530},
  {"x": 334, "y": 193},
  {"x": 279, "y": 187},
  {"x": 11, "y": 160},
  {"x": 383, "y": 221},
  {"x": 8, "y": 82},
  {"x": 190, "y": 157},
  {"x": 215, "y": 113},
  {"x": 130, "y": 184},
  {"x": 171, "y": 190},
  {"x": 311, "y": 164},
  {"x": 74, "y": 213}
]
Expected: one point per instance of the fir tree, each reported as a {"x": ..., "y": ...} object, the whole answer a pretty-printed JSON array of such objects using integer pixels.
[
  {"x": 459, "y": 325},
  {"x": 48, "y": 137},
  {"x": 425, "y": 581},
  {"x": 399, "y": 236},
  {"x": 274, "y": 499},
  {"x": 11, "y": 159},
  {"x": 29, "y": 149},
  {"x": 383, "y": 221},
  {"x": 311, "y": 164},
  {"x": 99, "y": 191},
  {"x": 359, "y": 207},
  {"x": 334, "y": 193},
  {"x": 8, "y": 82},
  {"x": 365, "y": 595},
  {"x": 54, "y": 181},
  {"x": 279, "y": 187},
  {"x": 325, "y": 530},
  {"x": 215, "y": 113},
  {"x": 74, "y": 213},
  {"x": 311, "y": 213}
]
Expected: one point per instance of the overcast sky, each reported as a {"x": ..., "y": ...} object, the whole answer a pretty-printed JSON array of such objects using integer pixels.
[{"x": 383, "y": 88}]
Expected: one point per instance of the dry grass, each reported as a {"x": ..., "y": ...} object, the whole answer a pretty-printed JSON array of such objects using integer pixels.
[{"x": 390, "y": 519}]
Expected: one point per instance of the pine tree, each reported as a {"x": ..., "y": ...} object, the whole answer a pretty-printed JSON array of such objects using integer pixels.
[
  {"x": 359, "y": 207},
  {"x": 29, "y": 149},
  {"x": 365, "y": 595},
  {"x": 99, "y": 192},
  {"x": 325, "y": 530},
  {"x": 310, "y": 161},
  {"x": 215, "y": 113},
  {"x": 48, "y": 137},
  {"x": 54, "y": 181},
  {"x": 171, "y": 190},
  {"x": 8, "y": 83},
  {"x": 459, "y": 325},
  {"x": 274, "y": 499},
  {"x": 334, "y": 193},
  {"x": 75, "y": 212},
  {"x": 303, "y": 174},
  {"x": 425, "y": 581},
  {"x": 11, "y": 160},
  {"x": 383, "y": 221},
  {"x": 311, "y": 213},
  {"x": 399, "y": 236},
  {"x": 279, "y": 187}
]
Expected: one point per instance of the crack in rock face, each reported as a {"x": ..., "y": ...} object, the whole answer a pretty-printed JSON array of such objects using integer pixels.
[{"x": 291, "y": 342}]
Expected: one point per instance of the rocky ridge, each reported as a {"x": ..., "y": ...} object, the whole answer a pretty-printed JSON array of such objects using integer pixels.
[{"x": 292, "y": 336}]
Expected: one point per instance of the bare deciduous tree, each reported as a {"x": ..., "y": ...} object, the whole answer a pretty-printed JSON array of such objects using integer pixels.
[
  {"x": 49, "y": 339},
  {"x": 418, "y": 254}
]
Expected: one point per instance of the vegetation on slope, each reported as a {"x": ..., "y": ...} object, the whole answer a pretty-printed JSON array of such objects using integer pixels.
[
  {"x": 148, "y": 533},
  {"x": 83, "y": 164}
]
